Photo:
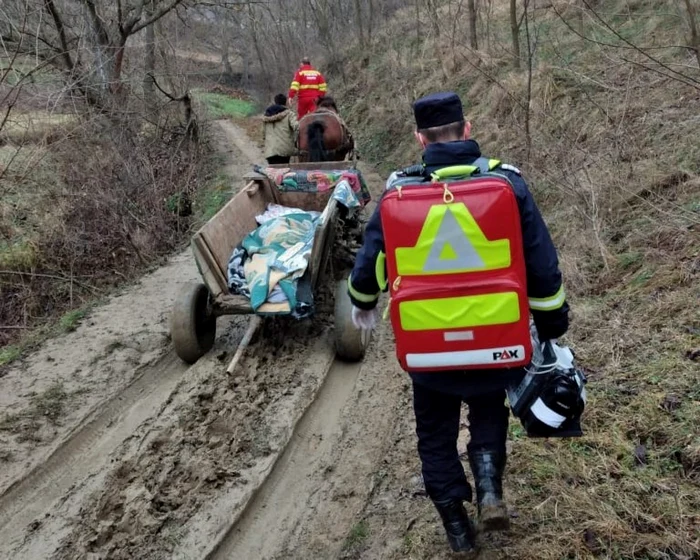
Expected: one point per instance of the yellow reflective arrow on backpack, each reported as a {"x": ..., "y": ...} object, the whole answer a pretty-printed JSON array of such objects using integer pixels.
[{"x": 451, "y": 242}]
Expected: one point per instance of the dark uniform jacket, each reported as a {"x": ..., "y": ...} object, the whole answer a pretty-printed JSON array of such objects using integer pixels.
[{"x": 543, "y": 275}]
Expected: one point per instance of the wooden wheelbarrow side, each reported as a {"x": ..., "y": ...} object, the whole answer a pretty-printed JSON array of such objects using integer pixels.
[{"x": 213, "y": 244}]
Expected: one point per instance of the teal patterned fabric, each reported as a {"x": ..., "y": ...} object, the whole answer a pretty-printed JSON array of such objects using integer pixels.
[{"x": 278, "y": 254}]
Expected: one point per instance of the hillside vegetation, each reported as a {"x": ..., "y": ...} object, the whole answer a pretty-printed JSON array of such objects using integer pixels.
[
  {"x": 602, "y": 118},
  {"x": 99, "y": 181}
]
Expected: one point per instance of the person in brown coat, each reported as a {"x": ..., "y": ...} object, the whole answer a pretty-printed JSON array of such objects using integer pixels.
[{"x": 280, "y": 127}]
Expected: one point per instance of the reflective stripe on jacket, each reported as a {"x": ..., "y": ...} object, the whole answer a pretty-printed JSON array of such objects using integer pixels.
[
  {"x": 544, "y": 282},
  {"x": 307, "y": 82}
]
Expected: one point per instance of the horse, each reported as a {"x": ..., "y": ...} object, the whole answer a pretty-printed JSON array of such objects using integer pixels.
[{"x": 322, "y": 137}]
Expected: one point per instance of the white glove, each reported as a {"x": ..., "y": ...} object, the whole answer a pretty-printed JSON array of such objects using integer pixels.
[{"x": 364, "y": 319}]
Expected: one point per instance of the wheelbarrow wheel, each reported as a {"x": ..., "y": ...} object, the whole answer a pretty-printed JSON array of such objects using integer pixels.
[
  {"x": 350, "y": 342},
  {"x": 192, "y": 328}
]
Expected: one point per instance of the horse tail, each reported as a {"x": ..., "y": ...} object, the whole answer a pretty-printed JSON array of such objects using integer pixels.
[{"x": 314, "y": 139}]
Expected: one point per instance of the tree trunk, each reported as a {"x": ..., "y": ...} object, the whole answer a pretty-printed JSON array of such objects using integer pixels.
[
  {"x": 225, "y": 49},
  {"x": 528, "y": 132},
  {"x": 694, "y": 38},
  {"x": 515, "y": 32},
  {"x": 472, "y": 25},
  {"x": 246, "y": 68},
  {"x": 264, "y": 72},
  {"x": 358, "y": 23},
  {"x": 118, "y": 65},
  {"x": 149, "y": 90}
]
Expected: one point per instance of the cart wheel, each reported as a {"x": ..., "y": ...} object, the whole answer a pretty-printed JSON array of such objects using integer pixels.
[
  {"x": 192, "y": 329},
  {"x": 350, "y": 343}
]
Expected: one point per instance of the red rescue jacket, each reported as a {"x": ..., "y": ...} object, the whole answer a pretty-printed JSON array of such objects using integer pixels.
[{"x": 307, "y": 82}]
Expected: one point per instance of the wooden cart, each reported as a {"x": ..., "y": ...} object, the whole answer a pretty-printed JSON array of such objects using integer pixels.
[{"x": 193, "y": 320}]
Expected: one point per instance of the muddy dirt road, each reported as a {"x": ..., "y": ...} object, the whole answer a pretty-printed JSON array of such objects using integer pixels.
[{"x": 142, "y": 456}]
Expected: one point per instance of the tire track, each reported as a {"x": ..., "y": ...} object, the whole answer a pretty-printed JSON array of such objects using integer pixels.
[
  {"x": 263, "y": 526},
  {"x": 88, "y": 447}
]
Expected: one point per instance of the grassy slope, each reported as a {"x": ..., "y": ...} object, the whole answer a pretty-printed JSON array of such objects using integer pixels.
[
  {"x": 218, "y": 189},
  {"x": 614, "y": 167},
  {"x": 31, "y": 184}
]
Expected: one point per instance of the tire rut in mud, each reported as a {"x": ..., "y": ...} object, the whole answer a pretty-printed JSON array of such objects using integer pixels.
[
  {"x": 279, "y": 499},
  {"x": 83, "y": 452},
  {"x": 174, "y": 485},
  {"x": 309, "y": 501},
  {"x": 216, "y": 438}
]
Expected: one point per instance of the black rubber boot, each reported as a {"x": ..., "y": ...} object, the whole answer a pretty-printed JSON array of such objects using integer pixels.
[
  {"x": 459, "y": 529},
  {"x": 487, "y": 468}
]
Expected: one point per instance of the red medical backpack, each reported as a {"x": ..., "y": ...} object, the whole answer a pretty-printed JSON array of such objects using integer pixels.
[{"x": 456, "y": 274}]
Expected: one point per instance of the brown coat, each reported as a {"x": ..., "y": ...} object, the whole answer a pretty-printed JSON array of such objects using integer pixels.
[{"x": 280, "y": 132}]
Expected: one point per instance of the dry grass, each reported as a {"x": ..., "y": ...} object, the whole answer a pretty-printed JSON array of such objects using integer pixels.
[
  {"x": 34, "y": 126},
  {"x": 614, "y": 167},
  {"x": 84, "y": 210}
]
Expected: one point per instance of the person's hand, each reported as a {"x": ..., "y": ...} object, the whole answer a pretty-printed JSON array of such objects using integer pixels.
[{"x": 364, "y": 319}]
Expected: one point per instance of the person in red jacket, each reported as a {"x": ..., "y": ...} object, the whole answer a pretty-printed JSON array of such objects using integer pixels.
[{"x": 310, "y": 84}]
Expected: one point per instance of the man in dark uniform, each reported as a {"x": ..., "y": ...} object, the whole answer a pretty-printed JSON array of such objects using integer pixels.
[{"x": 438, "y": 396}]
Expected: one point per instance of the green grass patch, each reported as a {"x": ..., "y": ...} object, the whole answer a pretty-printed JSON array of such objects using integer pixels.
[
  {"x": 221, "y": 106},
  {"x": 36, "y": 336},
  {"x": 357, "y": 536},
  {"x": 20, "y": 255},
  {"x": 627, "y": 260},
  {"x": 642, "y": 278},
  {"x": 50, "y": 403},
  {"x": 9, "y": 354},
  {"x": 70, "y": 321},
  {"x": 213, "y": 197}
]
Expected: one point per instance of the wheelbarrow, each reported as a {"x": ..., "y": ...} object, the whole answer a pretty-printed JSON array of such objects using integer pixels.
[{"x": 199, "y": 304}]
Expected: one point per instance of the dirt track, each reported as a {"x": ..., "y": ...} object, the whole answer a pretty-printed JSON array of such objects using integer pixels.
[{"x": 156, "y": 459}]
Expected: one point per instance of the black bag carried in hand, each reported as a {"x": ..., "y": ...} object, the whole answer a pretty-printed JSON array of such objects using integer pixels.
[{"x": 552, "y": 396}]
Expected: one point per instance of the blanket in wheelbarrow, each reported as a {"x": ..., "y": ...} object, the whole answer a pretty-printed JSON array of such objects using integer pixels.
[
  {"x": 299, "y": 180},
  {"x": 270, "y": 265},
  {"x": 278, "y": 254}
]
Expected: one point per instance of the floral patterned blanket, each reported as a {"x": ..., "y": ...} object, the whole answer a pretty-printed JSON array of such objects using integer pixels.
[{"x": 288, "y": 179}]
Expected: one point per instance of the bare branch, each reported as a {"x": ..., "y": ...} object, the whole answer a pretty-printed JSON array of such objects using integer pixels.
[
  {"x": 58, "y": 22},
  {"x": 678, "y": 76},
  {"x": 168, "y": 95},
  {"x": 157, "y": 14},
  {"x": 635, "y": 47}
]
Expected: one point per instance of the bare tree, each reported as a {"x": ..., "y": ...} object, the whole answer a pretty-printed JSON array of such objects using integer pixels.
[
  {"x": 149, "y": 91},
  {"x": 60, "y": 34},
  {"x": 515, "y": 32},
  {"x": 694, "y": 37},
  {"x": 472, "y": 24}
]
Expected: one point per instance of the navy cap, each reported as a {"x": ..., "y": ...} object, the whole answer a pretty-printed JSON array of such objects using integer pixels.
[{"x": 438, "y": 109}]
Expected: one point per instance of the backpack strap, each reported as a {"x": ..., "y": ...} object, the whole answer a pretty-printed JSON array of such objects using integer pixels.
[
  {"x": 485, "y": 164},
  {"x": 453, "y": 172},
  {"x": 479, "y": 166},
  {"x": 416, "y": 170}
]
